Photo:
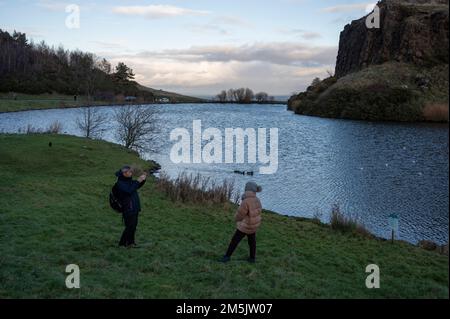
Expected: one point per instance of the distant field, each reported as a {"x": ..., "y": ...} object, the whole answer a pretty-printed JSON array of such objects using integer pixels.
[
  {"x": 179, "y": 98},
  {"x": 35, "y": 102},
  {"x": 24, "y": 102}
]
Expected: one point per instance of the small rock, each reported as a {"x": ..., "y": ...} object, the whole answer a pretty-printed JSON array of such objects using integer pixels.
[
  {"x": 428, "y": 245},
  {"x": 443, "y": 249}
]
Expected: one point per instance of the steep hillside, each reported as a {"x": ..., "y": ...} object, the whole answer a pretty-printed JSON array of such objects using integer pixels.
[{"x": 398, "y": 72}]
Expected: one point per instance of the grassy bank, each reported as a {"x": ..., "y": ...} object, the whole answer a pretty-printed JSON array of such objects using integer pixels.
[
  {"x": 388, "y": 92},
  {"x": 26, "y": 102},
  {"x": 54, "y": 212}
]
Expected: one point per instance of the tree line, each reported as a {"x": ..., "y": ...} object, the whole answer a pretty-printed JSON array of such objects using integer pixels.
[
  {"x": 26, "y": 67},
  {"x": 243, "y": 96}
]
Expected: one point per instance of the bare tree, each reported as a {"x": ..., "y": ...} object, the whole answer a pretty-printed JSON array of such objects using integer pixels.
[
  {"x": 261, "y": 97},
  {"x": 92, "y": 122},
  {"x": 222, "y": 96},
  {"x": 239, "y": 95},
  {"x": 137, "y": 127},
  {"x": 248, "y": 96},
  {"x": 231, "y": 97}
]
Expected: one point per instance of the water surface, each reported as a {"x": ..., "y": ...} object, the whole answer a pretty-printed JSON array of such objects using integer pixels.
[{"x": 370, "y": 169}]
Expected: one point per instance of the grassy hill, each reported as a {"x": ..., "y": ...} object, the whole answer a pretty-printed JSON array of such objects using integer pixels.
[
  {"x": 54, "y": 212},
  {"x": 391, "y": 91},
  {"x": 24, "y": 102},
  {"x": 178, "y": 98}
]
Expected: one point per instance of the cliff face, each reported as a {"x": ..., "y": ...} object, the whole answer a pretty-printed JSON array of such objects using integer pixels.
[
  {"x": 411, "y": 31},
  {"x": 398, "y": 72}
]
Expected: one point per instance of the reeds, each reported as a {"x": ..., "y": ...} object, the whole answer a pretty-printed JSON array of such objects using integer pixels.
[
  {"x": 345, "y": 223},
  {"x": 197, "y": 189}
]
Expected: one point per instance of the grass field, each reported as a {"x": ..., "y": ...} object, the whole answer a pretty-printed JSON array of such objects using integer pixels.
[
  {"x": 54, "y": 212},
  {"x": 26, "y": 102}
]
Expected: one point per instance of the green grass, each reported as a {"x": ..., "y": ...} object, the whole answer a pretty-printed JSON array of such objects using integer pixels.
[
  {"x": 26, "y": 102},
  {"x": 54, "y": 212},
  {"x": 385, "y": 92},
  {"x": 172, "y": 96}
]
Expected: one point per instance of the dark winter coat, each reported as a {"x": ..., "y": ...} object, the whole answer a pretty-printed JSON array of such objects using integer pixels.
[{"x": 127, "y": 193}]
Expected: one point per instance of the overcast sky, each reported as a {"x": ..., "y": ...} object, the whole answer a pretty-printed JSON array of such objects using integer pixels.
[{"x": 198, "y": 47}]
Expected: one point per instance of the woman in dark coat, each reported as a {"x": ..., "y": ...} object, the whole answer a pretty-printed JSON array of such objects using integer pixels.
[{"x": 126, "y": 191}]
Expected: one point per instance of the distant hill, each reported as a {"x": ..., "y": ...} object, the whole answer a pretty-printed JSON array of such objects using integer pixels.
[
  {"x": 173, "y": 97},
  {"x": 398, "y": 72}
]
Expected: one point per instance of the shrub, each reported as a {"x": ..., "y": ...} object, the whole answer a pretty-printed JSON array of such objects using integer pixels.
[
  {"x": 347, "y": 224},
  {"x": 30, "y": 129},
  {"x": 54, "y": 128},
  {"x": 317, "y": 218},
  {"x": 436, "y": 112},
  {"x": 386, "y": 92},
  {"x": 190, "y": 188}
]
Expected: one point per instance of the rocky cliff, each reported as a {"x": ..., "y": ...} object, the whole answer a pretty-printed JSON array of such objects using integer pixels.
[
  {"x": 411, "y": 31},
  {"x": 397, "y": 72}
]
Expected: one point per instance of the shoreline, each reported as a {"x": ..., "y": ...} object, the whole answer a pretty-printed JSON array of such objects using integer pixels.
[
  {"x": 131, "y": 104},
  {"x": 447, "y": 123},
  {"x": 157, "y": 169}
]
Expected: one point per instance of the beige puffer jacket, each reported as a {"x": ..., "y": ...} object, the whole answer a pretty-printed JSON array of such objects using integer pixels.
[{"x": 248, "y": 216}]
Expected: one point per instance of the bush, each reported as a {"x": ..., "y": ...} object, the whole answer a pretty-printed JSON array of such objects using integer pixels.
[
  {"x": 436, "y": 112},
  {"x": 346, "y": 224},
  {"x": 387, "y": 92},
  {"x": 189, "y": 188},
  {"x": 54, "y": 128}
]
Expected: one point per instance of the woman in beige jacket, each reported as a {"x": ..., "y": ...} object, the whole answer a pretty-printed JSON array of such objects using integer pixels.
[{"x": 248, "y": 220}]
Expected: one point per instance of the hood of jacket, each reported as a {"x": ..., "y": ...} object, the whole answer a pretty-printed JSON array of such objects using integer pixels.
[
  {"x": 248, "y": 194},
  {"x": 119, "y": 175}
]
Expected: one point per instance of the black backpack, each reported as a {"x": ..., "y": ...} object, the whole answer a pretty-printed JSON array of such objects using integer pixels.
[{"x": 114, "y": 200}]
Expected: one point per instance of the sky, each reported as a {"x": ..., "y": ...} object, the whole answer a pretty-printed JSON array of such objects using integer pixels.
[{"x": 198, "y": 47}]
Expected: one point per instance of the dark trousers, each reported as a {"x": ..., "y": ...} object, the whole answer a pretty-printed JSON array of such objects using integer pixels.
[
  {"x": 131, "y": 221},
  {"x": 238, "y": 236}
]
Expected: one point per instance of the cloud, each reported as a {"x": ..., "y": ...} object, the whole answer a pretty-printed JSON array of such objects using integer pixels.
[
  {"x": 231, "y": 21},
  {"x": 157, "y": 11},
  {"x": 311, "y": 35},
  {"x": 277, "y": 68},
  {"x": 221, "y": 25},
  {"x": 31, "y": 32},
  {"x": 52, "y": 5},
  {"x": 57, "y": 6},
  {"x": 282, "y": 53},
  {"x": 348, "y": 7},
  {"x": 108, "y": 45},
  {"x": 208, "y": 28},
  {"x": 306, "y": 35},
  {"x": 212, "y": 77}
]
